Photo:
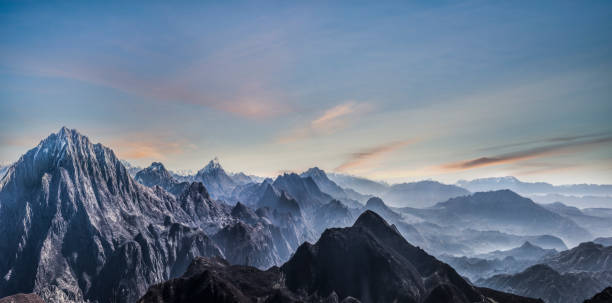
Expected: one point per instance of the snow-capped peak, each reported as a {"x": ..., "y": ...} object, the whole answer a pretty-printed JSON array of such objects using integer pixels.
[{"x": 212, "y": 165}]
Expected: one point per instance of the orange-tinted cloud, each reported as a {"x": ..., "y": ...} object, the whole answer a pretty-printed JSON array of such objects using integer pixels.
[
  {"x": 330, "y": 121},
  {"x": 360, "y": 158},
  {"x": 537, "y": 152},
  {"x": 147, "y": 147}
]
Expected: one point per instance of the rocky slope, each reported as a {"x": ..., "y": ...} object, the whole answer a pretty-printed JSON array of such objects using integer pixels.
[
  {"x": 216, "y": 180},
  {"x": 72, "y": 216},
  {"x": 368, "y": 262},
  {"x": 78, "y": 227},
  {"x": 157, "y": 175},
  {"x": 541, "y": 281},
  {"x": 22, "y": 298},
  {"x": 349, "y": 197}
]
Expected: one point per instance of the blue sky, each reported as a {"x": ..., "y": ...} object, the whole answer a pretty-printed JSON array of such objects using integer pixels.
[{"x": 395, "y": 91}]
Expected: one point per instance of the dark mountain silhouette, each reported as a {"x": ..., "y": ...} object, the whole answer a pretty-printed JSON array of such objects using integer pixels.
[
  {"x": 605, "y": 296},
  {"x": 605, "y": 241},
  {"x": 368, "y": 262}
]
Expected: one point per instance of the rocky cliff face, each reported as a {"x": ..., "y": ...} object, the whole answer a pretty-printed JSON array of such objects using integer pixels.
[
  {"x": 79, "y": 228},
  {"x": 368, "y": 262},
  {"x": 157, "y": 175}
]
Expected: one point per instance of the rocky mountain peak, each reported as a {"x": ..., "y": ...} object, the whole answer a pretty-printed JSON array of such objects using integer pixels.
[
  {"x": 375, "y": 202},
  {"x": 213, "y": 165},
  {"x": 196, "y": 190},
  {"x": 315, "y": 172},
  {"x": 371, "y": 220}
]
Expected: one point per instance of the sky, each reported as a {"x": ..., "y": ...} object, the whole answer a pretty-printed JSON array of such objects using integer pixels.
[{"x": 394, "y": 91}]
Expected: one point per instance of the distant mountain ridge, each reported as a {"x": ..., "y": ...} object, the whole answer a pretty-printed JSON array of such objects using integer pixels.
[
  {"x": 156, "y": 174},
  {"x": 566, "y": 277},
  {"x": 367, "y": 262},
  {"x": 413, "y": 194},
  {"x": 514, "y": 184}
]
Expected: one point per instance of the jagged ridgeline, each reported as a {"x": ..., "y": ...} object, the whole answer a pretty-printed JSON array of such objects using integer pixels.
[
  {"x": 76, "y": 227},
  {"x": 368, "y": 262}
]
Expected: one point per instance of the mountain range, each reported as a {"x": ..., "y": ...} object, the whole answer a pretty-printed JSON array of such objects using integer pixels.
[
  {"x": 81, "y": 225},
  {"x": 566, "y": 277},
  {"x": 367, "y": 262}
]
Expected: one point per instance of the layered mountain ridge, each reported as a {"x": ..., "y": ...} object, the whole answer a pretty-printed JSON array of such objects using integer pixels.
[{"x": 368, "y": 262}]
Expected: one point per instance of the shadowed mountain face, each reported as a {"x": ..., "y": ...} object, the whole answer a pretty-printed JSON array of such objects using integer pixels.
[
  {"x": 605, "y": 296},
  {"x": 216, "y": 180},
  {"x": 76, "y": 226},
  {"x": 368, "y": 262},
  {"x": 304, "y": 190},
  {"x": 349, "y": 197},
  {"x": 605, "y": 241},
  {"x": 156, "y": 174}
]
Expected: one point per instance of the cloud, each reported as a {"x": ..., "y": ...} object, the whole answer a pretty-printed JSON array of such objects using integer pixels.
[
  {"x": 330, "y": 121},
  {"x": 143, "y": 146},
  {"x": 549, "y": 140},
  {"x": 237, "y": 77},
  {"x": 360, "y": 158},
  {"x": 571, "y": 146}
]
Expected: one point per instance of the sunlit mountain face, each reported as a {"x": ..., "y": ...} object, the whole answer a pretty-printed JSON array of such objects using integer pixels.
[{"x": 305, "y": 152}]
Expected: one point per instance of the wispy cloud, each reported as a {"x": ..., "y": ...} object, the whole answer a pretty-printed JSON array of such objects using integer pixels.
[
  {"x": 549, "y": 140},
  {"x": 360, "y": 158},
  {"x": 571, "y": 146},
  {"x": 330, "y": 121},
  {"x": 143, "y": 146}
]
